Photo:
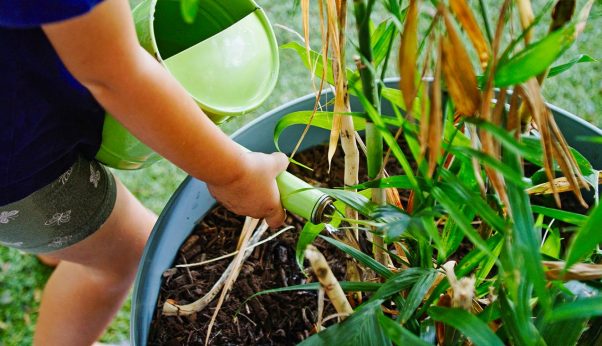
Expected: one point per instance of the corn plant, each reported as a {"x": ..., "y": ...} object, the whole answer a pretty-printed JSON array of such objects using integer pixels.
[{"x": 473, "y": 256}]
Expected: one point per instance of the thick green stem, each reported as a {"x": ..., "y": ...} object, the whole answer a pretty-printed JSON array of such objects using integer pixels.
[{"x": 373, "y": 136}]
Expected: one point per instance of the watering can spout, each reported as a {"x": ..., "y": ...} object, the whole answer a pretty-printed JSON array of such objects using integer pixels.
[{"x": 304, "y": 200}]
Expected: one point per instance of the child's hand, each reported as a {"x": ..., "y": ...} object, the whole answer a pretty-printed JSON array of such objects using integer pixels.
[{"x": 255, "y": 193}]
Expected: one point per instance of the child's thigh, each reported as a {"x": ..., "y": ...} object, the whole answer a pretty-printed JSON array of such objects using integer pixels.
[
  {"x": 63, "y": 213},
  {"x": 117, "y": 246}
]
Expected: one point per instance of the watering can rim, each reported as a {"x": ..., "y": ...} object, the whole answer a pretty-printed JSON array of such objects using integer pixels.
[{"x": 271, "y": 36}]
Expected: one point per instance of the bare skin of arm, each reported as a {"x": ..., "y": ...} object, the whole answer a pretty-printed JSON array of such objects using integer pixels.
[{"x": 101, "y": 50}]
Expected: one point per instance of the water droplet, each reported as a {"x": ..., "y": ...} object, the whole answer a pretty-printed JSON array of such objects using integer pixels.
[{"x": 330, "y": 228}]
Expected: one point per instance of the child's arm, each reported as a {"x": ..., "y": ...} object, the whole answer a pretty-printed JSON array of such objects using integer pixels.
[{"x": 101, "y": 50}]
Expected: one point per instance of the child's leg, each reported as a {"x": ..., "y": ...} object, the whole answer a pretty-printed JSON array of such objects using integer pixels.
[{"x": 94, "y": 276}]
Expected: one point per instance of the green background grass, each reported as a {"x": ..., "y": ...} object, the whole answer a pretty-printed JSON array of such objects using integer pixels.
[{"x": 22, "y": 277}]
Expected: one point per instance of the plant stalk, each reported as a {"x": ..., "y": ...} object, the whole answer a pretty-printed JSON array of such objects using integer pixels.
[
  {"x": 374, "y": 140},
  {"x": 328, "y": 281}
]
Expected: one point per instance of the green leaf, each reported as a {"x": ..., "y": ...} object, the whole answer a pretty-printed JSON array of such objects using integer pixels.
[
  {"x": 518, "y": 323},
  {"x": 396, "y": 181},
  {"x": 452, "y": 237},
  {"x": 347, "y": 286},
  {"x": 558, "y": 69},
  {"x": 535, "y": 58},
  {"x": 381, "y": 40},
  {"x": 310, "y": 232},
  {"x": 526, "y": 240},
  {"x": 506, "y": 138},
  {"x": 361, "y": 328},
  {"x": 586, "y": 239},
  {"x": 508, "y": 173},
  {"x": 470, "y": 325},
  {"x": 552, "y": 244},
  {"x": 394, "y": 222},
  {"x": 376, "y": 118},
  {"x": 560, "y": 215},
  {"x": 394, "y": 96},
  {"x": 401, "y": 281},
  {"x": 567, "y": 331},
  {"x": 456, "y": 189},
  {"x": 353, "y": 199},
  {"x": 398, "y": 334},
  {"x": 416, "y": 295},
  {"x": 461, "y": 220},
  {"x": 534, "y": 154},
  {"x": 580, "y": 308},
  {"x": 361, "y": 257},
  {"x": 316, "y": 62},
  {"x": 321, "y": 119},
  {"x": 477, "y": 257},
  {"x": 307, "y": 236},
  {"x": 591, "y": 139}
]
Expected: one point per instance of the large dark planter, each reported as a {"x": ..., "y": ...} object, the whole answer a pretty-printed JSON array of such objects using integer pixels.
[{"x": 191, "y": 202}]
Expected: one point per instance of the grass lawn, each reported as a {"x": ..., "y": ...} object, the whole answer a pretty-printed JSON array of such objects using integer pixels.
[{"x": 22, "y": 277}]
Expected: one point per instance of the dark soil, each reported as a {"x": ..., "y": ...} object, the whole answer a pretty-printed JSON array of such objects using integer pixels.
[{"x": 273, "y": 319}]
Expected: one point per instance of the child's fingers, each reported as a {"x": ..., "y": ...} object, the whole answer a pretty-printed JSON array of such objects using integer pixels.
[
  {"x": 280, "y": 162},
  {"x": 276, "y": 218}
]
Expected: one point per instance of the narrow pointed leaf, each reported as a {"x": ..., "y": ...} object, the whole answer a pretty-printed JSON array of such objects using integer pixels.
[
  {"x": 352, "y": 199},
  {"x": 587, "y": 238},
  {"x": 538, "y": 57},
  {"x": 307, "y": 236},
  {"x": 320, "y": 119},
  {"x": 458, "y": 72},
  {"x": 398, "y": 334},
  {"x": 561, "y": 215},
  {"x": 361, "y": 328},
  {"x": 507, "y": 171},
  {"x": 417, "y": 294},
  {"x": 396, "y": 181},
  {"x": 381, "y": 41},
  {"x": 580, "y": 308},
  {"x": 456, "y": 188},
  {"x": 534, "y": 59},
  {"x": 401, "y": 281},
  {"x": 465, "y": 16},
  {"x": 558, "y": 69},
  {"x": 463, "y": 222},
  {"x": 470, "y": 325},
  {"x": 347, "y": 286},
  {"x": 526, "y": 239},
  {"x": 476, "y": 257},
  {"x": 317, "y": 64},
  {"x": 361, "y": 257}
]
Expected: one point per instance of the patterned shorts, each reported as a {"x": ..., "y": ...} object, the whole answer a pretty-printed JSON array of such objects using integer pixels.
[{"x": 63, "y": 212}]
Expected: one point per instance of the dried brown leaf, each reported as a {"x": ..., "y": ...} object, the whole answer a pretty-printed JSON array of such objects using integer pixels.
[
  {"x": 408, "y": 51},
  {"x": 525, "y": 12},
  {"x": 561, "y": 185},
  {"x": 458, "y": 71},
  {"x": 553, "y": 143},
  {"x": 579, "y": 271},
  {"x": 466, "y": 18},
  {"x": 393, "y": 197},
  {"x": 435, "y": 124}
]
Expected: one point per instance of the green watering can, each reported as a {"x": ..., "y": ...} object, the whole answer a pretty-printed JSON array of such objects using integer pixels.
[{"x": 227, "y": 60}]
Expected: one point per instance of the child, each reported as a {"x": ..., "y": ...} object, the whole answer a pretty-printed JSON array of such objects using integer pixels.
[{"x": 63, "y": 63}]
